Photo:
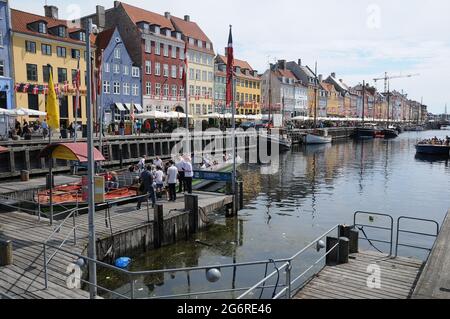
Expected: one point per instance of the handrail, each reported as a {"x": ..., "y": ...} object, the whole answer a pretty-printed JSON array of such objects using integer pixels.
[{"x": 370, "y": 240}]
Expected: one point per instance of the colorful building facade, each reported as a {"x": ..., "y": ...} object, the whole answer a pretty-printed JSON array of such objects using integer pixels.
[
  {"x": 6, "y": 75},
  {"x": 39, "y": 42}
]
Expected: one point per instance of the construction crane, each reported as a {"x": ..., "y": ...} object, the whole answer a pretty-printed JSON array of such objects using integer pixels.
[{"x": 387, "y": 78}]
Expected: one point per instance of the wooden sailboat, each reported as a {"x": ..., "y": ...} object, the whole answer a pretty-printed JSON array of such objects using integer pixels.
[{"x": 317, "y": 137}]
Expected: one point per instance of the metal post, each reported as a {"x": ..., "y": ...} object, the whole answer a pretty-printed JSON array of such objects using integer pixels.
[
  {"x": 74, "y": 230},
  {"x": 91, "y": 203},
  {"x": 50, "y": 174},
  {"x": 148, "y": 208},
  {"x": 233, "y": 112},
  {"x": 45, "y": 266},
  {"x": 39, "y": 206},
  {"x": 288, "y": 280},
  {"x": 132, "y": 286}
]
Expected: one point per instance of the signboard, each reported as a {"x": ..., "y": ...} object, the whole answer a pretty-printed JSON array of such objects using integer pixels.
[{"x": 213, "y": 176}]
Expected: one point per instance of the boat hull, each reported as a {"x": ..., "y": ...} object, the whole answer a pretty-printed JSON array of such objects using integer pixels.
[
  {"x": 433, "y": 149},
  {"x": 390, "y": 133},
  {"x": 364, "y": 133},
  {"x": 311, "y": 139}
]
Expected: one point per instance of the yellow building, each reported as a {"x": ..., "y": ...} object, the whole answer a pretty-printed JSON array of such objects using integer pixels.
[
  {"x": 248, "y": 86},
  {"x": 333, "y": 99},
  {"x": 39, "y": 41}
]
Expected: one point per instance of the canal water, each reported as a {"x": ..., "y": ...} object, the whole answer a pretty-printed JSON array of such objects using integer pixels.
[{"x": 314, "y": 188}]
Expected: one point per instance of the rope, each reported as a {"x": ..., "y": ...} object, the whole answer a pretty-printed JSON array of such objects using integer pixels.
[
  {"x": 278, "y": 278},
  {"x": 367, "y": 238}
]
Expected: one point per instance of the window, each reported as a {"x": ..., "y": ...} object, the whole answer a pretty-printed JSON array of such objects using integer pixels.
[
  {"x": 166, "y": 50},
  {"x": 75, "y": 53},
  {"x": 116, "y": 88},
  {"x": 182, "y": 91},
  {"x": 197, "y": 57},
  {"x": 116, "y": 68},
  {"x": 204, "y": 76},
  {"x": 174, "y": 90},
  {"x": 157, "y": 48},
  {"x": 117, "y": 53},
  {"x": 191, "y": 90},
  {"x": 135, "y": 90},
  {"x": 181, "y": 71},
  {"x": 198, "y": 75},
  {"x": 75, "y": 109},
  {"x": 107, "y": 67},
  {"x": 46, "y": 72},
  {"x": 204, "y": 91},
  {"x": 210, "y": 77},
  {"x": 200, "y": 43},
  {"x": 33, "y": 102},
  {"x": 157, "y": 68},
  {"x": 148, "y": 88},
  {"x": 166, "y": 70},
  {"x": 158, "y": 89},
  {"x": 42, "y": 27},
  {"x": 61, "y": 31},
  {"x": 32, "y": 72},
  {"x": 126, "y": 70},
  {"x": 148, "y": 67},
  {"x": 126, "y": 88},
  {"x": 1, "y": 39},
  {"x": 61, "y": 52},
  {"x": 30, "y": 46},
  {"x": 135, "y": 72},
  {"x": 46, "y": 49},
  {"x": 191, "y": 74},
  {"x": 182, "y": 57},
  {"x": 2, "y": 68},
  {"x": 191, "y": 41},
  {"x": 148, "y": 46},
  {"x": 204, "y": 59},
  {"x": 166, "y": 90},
  {"x": 106, "y": 87},
  {"x": 64, "y": 107},
  {"x": 174, "y": 71},
  {"x": 174, "y": 52},
  {"x": 197, "y": 91},
  {"x": 62, "y": 75},
  {"x": 208, "y": 45}
]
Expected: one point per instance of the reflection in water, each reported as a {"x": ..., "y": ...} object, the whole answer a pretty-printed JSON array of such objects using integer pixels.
[{"x": 315, "y": 188}]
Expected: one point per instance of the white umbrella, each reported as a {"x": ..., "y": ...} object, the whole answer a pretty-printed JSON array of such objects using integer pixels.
[
  {"x": 152, "y": 115},
  {"x": 254, "y": 117},
  {"x": 29, "y": 112},
  {"x": 7, "y": 112},
  {"x": 177, "y": 115},
  {"x": 210, "y": 116}
]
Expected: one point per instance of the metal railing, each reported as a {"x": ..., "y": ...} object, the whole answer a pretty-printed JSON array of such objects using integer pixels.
[
  {"x": 5, "y": 296},
  {"x": 371, "y": 219},
  {"x": 406, "y": 231}
]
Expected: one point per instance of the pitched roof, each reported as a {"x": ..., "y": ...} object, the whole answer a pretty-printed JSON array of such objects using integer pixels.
[
  {"x": 138, "y": 15},
  {"x": 104, "y": 37},
  {"x": 287, "y": 74},
  {"x": 20, "y": 21},
  {"x": 190, "y": 29},
  {"x": 327, "y": 86},
  {"x": 239, "y": 63}
]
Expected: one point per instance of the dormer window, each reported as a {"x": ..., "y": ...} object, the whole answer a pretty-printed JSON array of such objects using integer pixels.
[
  {"x": 168, "y": 33},
  {"x": 178, "y": 36},
  {"x": 42, "y": 27},
  {"x": 61, "y": 31},
  {"x": 200, "y": 43},
  {"x": 157, "y": 30},
  {"x": 191, "y": 41},
  {"x": 208, "y": 45}
]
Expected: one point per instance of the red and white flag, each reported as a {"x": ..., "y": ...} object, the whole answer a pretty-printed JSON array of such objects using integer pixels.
[
  {"x": 17, "y": 87},
  {"x": 66, "y": 87},
  {"x": 36, "y": 90},
  {"x": 45, "y": 89},
  {"x": 230, "y": 67},
  {"x": 56, "y": 88},
  {"x": 185, "y": 70},
  {"x": 77, "y": 84},
  {"x": 25, "y": 88}
]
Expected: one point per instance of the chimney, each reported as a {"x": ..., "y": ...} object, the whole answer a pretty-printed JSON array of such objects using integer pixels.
[
  {"x": 320, "y": 78},
  {"x": 340, "y": 80},
  {"x": 100, "y": 10},
  {"x": 187, "y": 18},
  {"x": 167, "y": 15},
  {"x": 116, "y": 4},
  {"x": 300, "y": 62},
  {"x": 282, "y": 64},
  {"x": 51, "y": 12}
]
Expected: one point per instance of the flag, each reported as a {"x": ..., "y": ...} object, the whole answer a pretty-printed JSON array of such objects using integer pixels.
[
  {"x": 52, "y": 107},
  {"x": 25, "y": 88},
  {"x": 17, "y": 87},
  {"x": 45, "y": 89},
  {"x": 230, "y": 67},
  {"x": 36, "y": 90},
  {"x": 99, "y": 73},
  {"x": 77, "y": 84},
  {"x": 66, "y": 86},
  {"x": 185, "y": 70}
]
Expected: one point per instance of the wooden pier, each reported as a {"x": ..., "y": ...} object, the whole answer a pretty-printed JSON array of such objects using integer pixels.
[{"x": 25, "y": 277}]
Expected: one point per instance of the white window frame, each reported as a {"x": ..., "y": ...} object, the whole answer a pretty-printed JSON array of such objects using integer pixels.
[
  {"x": 126, "y": 88},
  {"x": 117, "y": 53},
  {"x": 126, "y": 70},
  {"x": 135, "y": 72},
  {"x": 166, "y": 50},
  {"x": 116, "y": 68},
  {"x": 148, "y": 67},
  {"x": 157, "y": 48},
  {"x": 158, "y": 69},
  {"x": 158, "y": 88},
  {"x": 166, "y": 90},
  {"x": 166, "y": 70},
  {"x": 148, "y": 88},
  {"x": 174, "y": 90},
  {"x": 106, "y": 87},
  {"x": 148, "y": 46},
  {"x": 181, "y": 68},
  {"x": 174, "y": 71},
  {"x": 116, "y": 88},
  {"x": 174, "y": 52},
  {"x": 135, "y": 89},
  {"x": 204, "y": 76},
  {"x": 107, "y": 67},
  {"x": 191, "y": 74}
]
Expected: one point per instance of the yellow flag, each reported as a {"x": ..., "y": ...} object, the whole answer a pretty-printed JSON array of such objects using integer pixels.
[{"x": 52, "y": 105}]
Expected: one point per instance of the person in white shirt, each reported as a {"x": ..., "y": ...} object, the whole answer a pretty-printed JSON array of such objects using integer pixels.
[
  {"x": 141, "y": 164},
  {"x": 172, "y": 174},
  {"x": 159, "y": 179},
  {"x": 179, "y": 166},
  {"x": 188, "y": 175},
  {"x": 157, "y": 162}
]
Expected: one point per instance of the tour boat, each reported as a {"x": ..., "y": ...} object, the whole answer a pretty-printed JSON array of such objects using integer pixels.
[{"x": 433, "y": 149}]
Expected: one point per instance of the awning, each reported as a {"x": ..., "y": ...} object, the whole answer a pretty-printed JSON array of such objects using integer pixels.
[
  {"x": 139, "y": 108},
  {"x": 3, "y": 149},
  {"x": 70, "y": 152},
  {"x": 128, "y": 106},
  {"x": 120, "y": 107}
]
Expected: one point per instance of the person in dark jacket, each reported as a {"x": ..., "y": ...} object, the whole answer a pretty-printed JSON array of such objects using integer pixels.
[{"x": 146, "y": 180}]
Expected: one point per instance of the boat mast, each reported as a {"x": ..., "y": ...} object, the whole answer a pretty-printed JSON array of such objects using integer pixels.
[
  {"x": 315, "y": 96},
  {"x": 389, "y": 103},
  {"x": 270, "y": 93},
  {"x": 363, "y": 101}
]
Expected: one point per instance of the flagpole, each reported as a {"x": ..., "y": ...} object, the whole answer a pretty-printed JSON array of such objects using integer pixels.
[
  {"x": 186, "y": 96},
  {"x": 90, "y": 149},
  {"x": 77, "y": 99},
  {"x": 233, "y": 112}
]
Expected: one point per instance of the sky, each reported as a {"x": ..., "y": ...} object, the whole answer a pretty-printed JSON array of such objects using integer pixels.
[{"x": 357, "y": 39}]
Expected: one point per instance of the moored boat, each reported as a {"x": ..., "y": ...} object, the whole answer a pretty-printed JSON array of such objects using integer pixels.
[
  {"x": 390, "y": 133},
  {"x": 312, "y": 138},
  {"x": 364, "y": 133},
  {"x": 431, "y": 149}
]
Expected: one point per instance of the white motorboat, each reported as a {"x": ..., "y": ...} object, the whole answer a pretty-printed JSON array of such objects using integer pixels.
[
  {"x": 445, "y": 128},
  {"x": 317, "y": 138}
]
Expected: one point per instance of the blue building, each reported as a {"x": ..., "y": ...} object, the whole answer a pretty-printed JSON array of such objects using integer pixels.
[
  {"x": 121, "y": 79},
  {"x": 6, "y": 81}
]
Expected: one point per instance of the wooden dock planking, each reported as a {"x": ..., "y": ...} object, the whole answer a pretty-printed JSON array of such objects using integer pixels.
[
  {"x": 349, "y": 281},
  {"x": 25, "y": 278},
  {"x": 434, "y": 283}
]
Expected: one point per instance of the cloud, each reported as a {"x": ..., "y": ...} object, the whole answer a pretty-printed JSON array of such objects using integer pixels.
[{"x": 357, "y": 39}]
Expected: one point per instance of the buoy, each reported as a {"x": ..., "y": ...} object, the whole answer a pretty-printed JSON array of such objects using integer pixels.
[{"x": 122, "y": 262}]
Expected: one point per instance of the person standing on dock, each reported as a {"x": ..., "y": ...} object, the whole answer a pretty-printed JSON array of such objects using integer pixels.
[
  {"x": 188, "y": 176},
  {"x": 172, "y": 174},
  {"x": 146, "y": 187},
  {"x": 179, "y": 166}
]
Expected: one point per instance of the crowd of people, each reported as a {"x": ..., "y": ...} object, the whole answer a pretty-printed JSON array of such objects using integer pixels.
[
  {"x": 436, "y": 141},
  {"x": 25, "y": 129},
  {"x": 158, "y": 179}
]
